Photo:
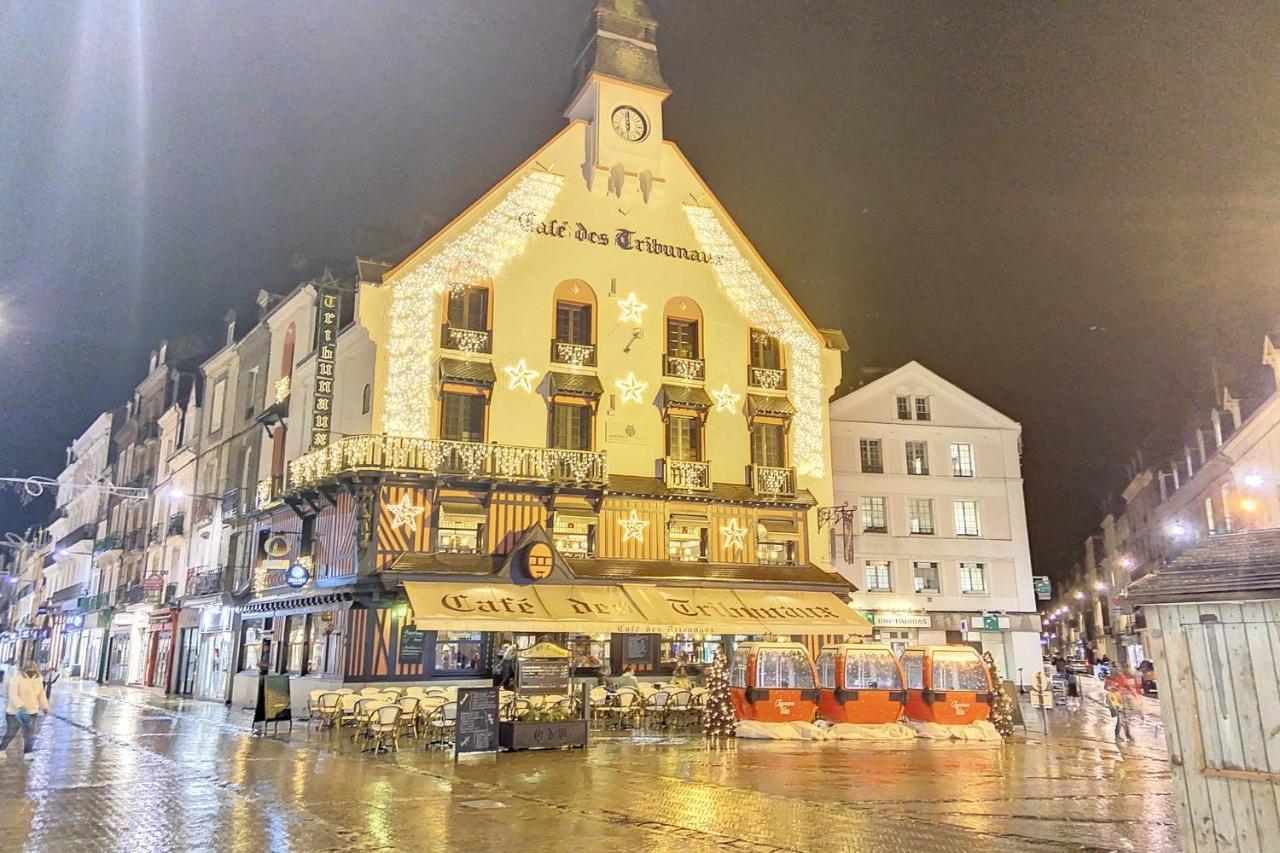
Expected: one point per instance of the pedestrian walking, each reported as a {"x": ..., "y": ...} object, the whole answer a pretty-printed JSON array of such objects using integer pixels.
[
  {"x": 26, "y": 699},
  {"x": 51, "y": 676}
]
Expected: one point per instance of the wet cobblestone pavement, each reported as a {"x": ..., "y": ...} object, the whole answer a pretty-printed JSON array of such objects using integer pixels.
[{"x": 127, "y": 769}]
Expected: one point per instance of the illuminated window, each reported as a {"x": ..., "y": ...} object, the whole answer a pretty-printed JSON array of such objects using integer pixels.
[
  {"x": 873, "y": 515},
  {"x": 574, "y": 534},
  {"x": 917, "y": 457},
  {"x": 684, "y": 438},
  {"x": 966, "y": 518},
  {"x": 460, "y": 529},
  {"x": 457, "y": 651},
  {"x": 879, "y": 576},
  {"x": 961, "y": 460},
  {"x": 872, "y": 455},
  {"x": 766, "y": 352},
  {"x": 768, "y": 445},
  {"x": 469, "y": 309},
  {"x": 904, "y": 407},
  {"x": 1227, "y": 526},
  {"x": 682, "y": 338},
  {"x": 920, "y": 512},
  {"x": 973, "y": 578},
  {"x": 922, "y": 408},
  {"x": 776, "y": 540},
  {"x": 687, "y": 538}
]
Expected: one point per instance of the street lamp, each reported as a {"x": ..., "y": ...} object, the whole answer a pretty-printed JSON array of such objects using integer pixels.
[
  {"x": 1248, "y": 505},
  {"x": 1253, "y": 480},
  {"x": 1100, "y": 586},
  {"x": 1079, "y": 595},
  {"x": 1175, "y": 529}
]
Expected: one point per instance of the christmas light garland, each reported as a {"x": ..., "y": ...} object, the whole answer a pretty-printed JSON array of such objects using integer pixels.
[
  {"x": 748, "y": 292},
  {"x": 479, "y": 253}
]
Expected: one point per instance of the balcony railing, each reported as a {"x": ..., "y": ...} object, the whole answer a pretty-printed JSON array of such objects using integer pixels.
[
  {"x": 126, "y": 595},
  {"x": 153, "y": 534},
  {"x": 466, "y": 340},
  {"x": 177, "y": 524},
  {"x": 207, "y": 582},
  {"x": 90, "y": 603},
  {"x": 768, "y": 378},
  {"x": 686, "y": 474},
  {"x": 773, "y": 481},
  {"x": 575, "y": 355},
  {"x": 688, "y": 369},
  {"x": 499, "y": 462},
  {"x": 106, "y": 543}
]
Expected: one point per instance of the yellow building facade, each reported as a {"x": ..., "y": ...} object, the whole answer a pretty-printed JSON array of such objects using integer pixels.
[{"x": 595, "y": 413}]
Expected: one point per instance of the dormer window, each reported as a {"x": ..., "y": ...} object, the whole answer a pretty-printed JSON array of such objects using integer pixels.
[
  {"x": 683, "y": 357},
  {"x": 922, "y": 409},
  {"x": 765, "y": 369},
  {"x": 904, "y": 407}
]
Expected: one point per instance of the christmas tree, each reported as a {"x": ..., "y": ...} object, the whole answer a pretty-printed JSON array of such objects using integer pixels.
[
  {"x": 1001, "y": 704},
  {"x": 718, "y": 719}
]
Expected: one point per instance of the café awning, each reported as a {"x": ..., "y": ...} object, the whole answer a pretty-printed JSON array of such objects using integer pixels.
[{"x": 629, "y": 609}]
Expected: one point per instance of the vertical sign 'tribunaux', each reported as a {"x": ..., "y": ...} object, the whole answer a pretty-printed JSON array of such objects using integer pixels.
[{"x": 327, "y": 311}]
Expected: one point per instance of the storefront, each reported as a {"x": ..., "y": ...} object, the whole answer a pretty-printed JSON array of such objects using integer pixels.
[{"x": 126, "y": 648}]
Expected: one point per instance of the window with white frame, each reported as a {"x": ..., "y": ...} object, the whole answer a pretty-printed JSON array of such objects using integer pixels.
[
  {"x": 917, "y": 457},
  {"x": 878, "y": 576},
  {"x": 973, "y": 578},
  {"x": 872, "y": 454},
  {"x": 873, "y": 515},
  {"x": 920, "y": 512},
  {"x": 961, "y": 460},
  {"x": 966, "y": 518},
  {"x": 922, "y": 409},
  {"x": 904, "y": 407},
  {"x": 926, "y": 578},
  {"x": 216, "y": 400},
  {"x": 1208, "y": 516},
  {"x": 1226, "y": 508}
]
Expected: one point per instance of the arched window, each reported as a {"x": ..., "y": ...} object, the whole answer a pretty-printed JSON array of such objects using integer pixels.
[
  {"x": 574, "y": 341},
  {"x": 367, "y": 402},
  {"x": 683, "y": 322}
]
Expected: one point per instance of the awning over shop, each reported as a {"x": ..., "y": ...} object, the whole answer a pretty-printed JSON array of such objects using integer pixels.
[{"x": 628, "y": 608}]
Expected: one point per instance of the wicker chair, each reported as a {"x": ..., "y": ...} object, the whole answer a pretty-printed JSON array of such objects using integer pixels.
[
  {"x": 441, "y": 723},
  {"x": 409, "y": 714},
  {"x": 329, "y": 708},
  {"x": 384, "y": 727}
]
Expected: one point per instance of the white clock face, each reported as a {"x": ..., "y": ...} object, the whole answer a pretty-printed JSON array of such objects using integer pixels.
[{"x": 630, "y": 124}]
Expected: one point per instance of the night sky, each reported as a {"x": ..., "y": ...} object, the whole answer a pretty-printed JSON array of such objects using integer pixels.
[{"x": 1063, "y": 208}]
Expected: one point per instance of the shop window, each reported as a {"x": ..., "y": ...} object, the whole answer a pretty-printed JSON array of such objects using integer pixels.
[
  {"x": 469, "y": 309},
  {"x": 768, "y": 445},
  {"x": 573, "y": 323},
  {"x": 870, "y": 672},
  {"x": 784, "y": 669},
  {"x": 926, "y": 578},
  {"x": 252, "y": 647},
  {"x": 956, "y": 672},
  {"x": 571, "y": 426},
  {"x": 462, "y": 416},
  {"x": 460, "y": 529},
  {"x": 316, "y": 645},
  {"x": 690, "y": 649},
  {"x": 766, "y": 351},
  {"x": 457, "y": 651},
  {"x": 573, "y": 534},
  {"x": 684, "y": 438},
  {"x": 296, "y": 640},
  {"x": 913, "y": 668},
  {"x": 687, "y": 538},
  {"x": 590, "y": 651}
]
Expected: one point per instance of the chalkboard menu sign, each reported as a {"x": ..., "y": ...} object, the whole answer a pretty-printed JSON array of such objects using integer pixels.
[
  {"x": 273, "y": 700},
  {"x": 638, "y": 647},
  {"x": 411, "y": 640},
  {"x": 543, "y": 670},
  {"x": 476, "y": 729}
]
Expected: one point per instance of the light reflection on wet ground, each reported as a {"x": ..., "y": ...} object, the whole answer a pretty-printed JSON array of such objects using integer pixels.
[{"x": 125, "y": 769}]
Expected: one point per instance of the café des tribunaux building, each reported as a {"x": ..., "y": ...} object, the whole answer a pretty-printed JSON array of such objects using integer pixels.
[{"x": 594, "y": 413}]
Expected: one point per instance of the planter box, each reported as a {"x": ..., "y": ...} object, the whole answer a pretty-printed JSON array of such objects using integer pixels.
[{"x": 515, "y": 736}]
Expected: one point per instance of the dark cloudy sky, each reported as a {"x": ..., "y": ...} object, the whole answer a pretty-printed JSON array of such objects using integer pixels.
[{"x": 1062, "y": 207}]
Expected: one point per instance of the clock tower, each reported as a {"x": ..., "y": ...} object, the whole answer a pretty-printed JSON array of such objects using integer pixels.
[{"x": 618, "y": 91}]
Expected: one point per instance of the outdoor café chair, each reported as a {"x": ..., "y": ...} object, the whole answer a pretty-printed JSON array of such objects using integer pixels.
[
  {"x": 409, "y": 714},
  {"x": 313, "y": 703},
  {"x": 370, "y": 691},
  {"x": 624, "y": 707},
  {"x": 342, "y": 690},
  {"x": 384, "y": 727},
  {"x": 364, "y": 708},
  {"x": 329, "y": 708},
  {"x": 654, "y": 707},
  {"x": 440, "y": 726},
  {"x": 678, "y": 706},
  {"x": 348, "y": 708}
]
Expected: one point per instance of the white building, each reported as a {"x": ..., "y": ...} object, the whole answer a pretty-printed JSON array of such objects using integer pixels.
[{"x": 935, "y": 531}]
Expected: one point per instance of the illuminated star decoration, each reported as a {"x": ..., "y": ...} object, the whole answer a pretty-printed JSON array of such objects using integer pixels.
[
  {"x": 632, "y": 388},
  {"x": 726, "y": 399},
  {"x": 733, "y": 535},
  {"x": 632, "y": 308},
  {"x": 633, "y": 527},
  {"x": 520, "y": 377},
  {"x": 404, "y": 514}
]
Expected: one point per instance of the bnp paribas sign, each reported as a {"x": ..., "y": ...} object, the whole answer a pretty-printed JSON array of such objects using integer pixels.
[{"x": 619, "y": 238}]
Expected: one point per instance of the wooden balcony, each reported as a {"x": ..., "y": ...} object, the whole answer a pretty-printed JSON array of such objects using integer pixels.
[
  {"x": 357, "y": 454},
  {"x": 773, "y": 481},
  {"x": 686, "y": 474}
]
